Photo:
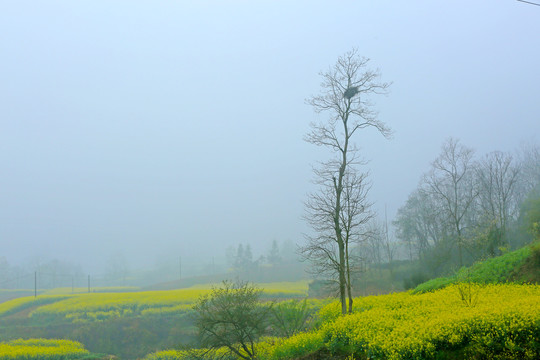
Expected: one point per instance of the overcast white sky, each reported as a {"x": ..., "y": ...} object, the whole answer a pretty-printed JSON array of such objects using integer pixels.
[{"x": 167, "y": 128}]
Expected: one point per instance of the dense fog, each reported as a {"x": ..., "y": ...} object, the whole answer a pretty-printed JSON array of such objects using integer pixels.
[{"x": 153, "y": 139}]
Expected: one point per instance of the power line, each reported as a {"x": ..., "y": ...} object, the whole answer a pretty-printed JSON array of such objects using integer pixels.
[{"x": 528, "y": 2}]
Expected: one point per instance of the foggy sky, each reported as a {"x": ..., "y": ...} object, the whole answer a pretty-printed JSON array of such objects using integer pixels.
[{"x": 159, "y": 129}]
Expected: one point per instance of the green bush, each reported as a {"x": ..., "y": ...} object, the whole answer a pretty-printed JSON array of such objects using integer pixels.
[
  {"x": 232, "y": 317},
  {"x": 290, "y": 317}
]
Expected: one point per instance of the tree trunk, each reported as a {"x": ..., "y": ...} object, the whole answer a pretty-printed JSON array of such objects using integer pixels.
[
  {"x": 342, "y": 279},
  {"x": 349, "y": 286}
]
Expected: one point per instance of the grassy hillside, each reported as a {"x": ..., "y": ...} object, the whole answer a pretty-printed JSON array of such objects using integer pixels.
[{"x": 522, "y": 265}]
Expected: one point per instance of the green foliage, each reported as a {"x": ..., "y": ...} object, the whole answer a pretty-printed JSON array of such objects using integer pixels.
[
  {"x": 232, "y": 317},
  {"x": 321, "y": 288},
  {"x": 494, "y": 270},
  {"x": 414, "y": 280},
  {"x": 529, "y": 271},
  {"x": 290, "y": 317},
  {"x": 434, "y": 284}
]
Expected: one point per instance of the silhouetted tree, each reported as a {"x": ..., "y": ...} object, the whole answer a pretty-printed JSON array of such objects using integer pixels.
[
  {"x": 335, "y": 215},
  {"x": 497, "y": 176}
]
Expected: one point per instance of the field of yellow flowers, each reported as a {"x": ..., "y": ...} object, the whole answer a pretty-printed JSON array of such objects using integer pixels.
[
  {"x": 42, "y": 349},
  {"x": 18, "y": 304},
  {"x": 458, "y": 322},
  {"x": 487, "y": 321},
  {"x": 95, "y": 307}
]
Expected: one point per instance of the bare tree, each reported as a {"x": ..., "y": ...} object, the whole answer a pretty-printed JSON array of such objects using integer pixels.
[
  {"x": 497, "y": 179},
  {"x": 451, "y": 180},
  {"x": 529, "y": 159},
  {"x": 420, "y": 223},
  {"x": 389, "y": 246},
  {"x": 372, "y": 247},
  {"x": 322, "y": 248},
  {"x": 356, "y": 213},
  {"x": 335, "y": 212}
]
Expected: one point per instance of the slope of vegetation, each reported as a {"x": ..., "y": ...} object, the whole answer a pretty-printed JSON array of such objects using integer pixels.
[
  {"x": 89, "y": 307},
  {"x": 529, "y": 271},
  {"x": 483, "y": 322},
  {"x": 102, "y": 306},
  {"x": 505, "y": 268},
  {"x": 20, "y": 304},
  {"x": 129, "y": 325}
]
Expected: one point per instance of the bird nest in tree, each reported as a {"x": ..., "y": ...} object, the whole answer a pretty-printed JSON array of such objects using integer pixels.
[{"x": 350, "y": 92}]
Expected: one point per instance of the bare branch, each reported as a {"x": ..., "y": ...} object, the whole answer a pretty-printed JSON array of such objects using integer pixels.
[{"x": 339, "y": 211}]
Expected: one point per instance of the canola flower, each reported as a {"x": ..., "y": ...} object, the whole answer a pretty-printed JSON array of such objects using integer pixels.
[
  {"x": 503, "y": 323},
  {"x": 93, "y": 307},
  {"x": 41, "y": 349},
  {"x": 11, "y": 306},
  {"x": 103, "y": 306},
  {"x": 505, "y": 320}
]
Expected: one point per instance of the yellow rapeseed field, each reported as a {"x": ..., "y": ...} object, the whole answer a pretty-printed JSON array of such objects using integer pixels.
[
  {"x": 504, "y": 319},
  {"x": 489, "y": 321},
  {"x": 26, "y": 302},
  {"x": 41, "y": 349},
  {"x": 101, "y": 306}
]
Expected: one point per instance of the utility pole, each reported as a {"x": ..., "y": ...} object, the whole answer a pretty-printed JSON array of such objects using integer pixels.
[
  {"x": 35, "y": 283},
  {"x": 88, "y": 283}
]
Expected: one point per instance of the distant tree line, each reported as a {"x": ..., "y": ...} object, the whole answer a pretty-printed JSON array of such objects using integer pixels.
[
  {"x": 468, "y": 208},
  {"x": 278, "y": 263}
]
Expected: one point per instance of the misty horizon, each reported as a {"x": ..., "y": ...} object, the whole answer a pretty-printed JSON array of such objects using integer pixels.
[{"x": 157, "y": 131}]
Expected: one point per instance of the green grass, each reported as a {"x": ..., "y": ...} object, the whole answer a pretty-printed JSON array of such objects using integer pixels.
[{"x": 495, "y": 270}]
